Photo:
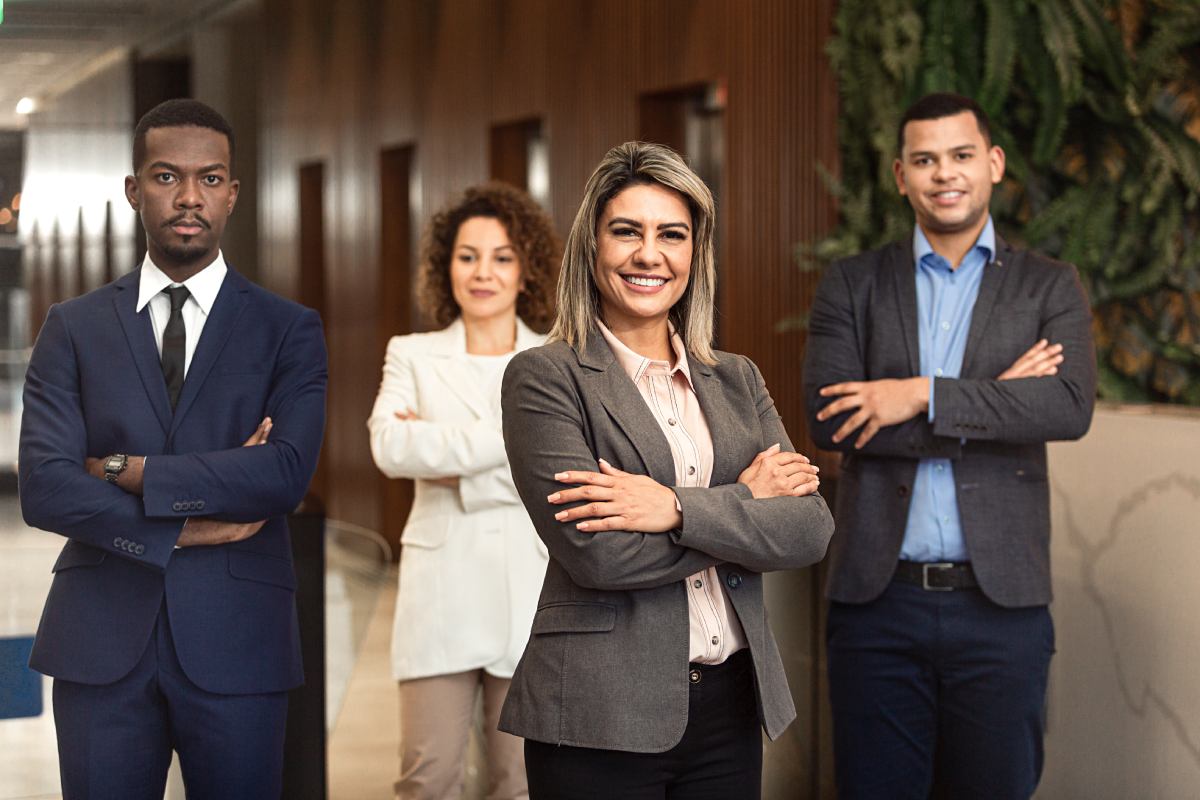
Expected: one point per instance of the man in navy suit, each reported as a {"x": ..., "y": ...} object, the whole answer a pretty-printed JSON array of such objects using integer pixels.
[{"x": 171, "y": 621}]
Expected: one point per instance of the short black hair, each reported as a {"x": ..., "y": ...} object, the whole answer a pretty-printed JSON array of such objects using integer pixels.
[
  {"x": 939, "y": 106},
  {"x": 180, "y": 112}
]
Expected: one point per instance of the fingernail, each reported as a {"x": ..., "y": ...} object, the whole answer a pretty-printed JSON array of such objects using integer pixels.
[
  {"x": 583, "y": 526},
  {"x": 605, "y": 463},
  {"x": 560, "y": 476},
  {"x": 553, "y": 498},
  {"x": 816, "y": 468},
  {"x": 560, "y": 515}
]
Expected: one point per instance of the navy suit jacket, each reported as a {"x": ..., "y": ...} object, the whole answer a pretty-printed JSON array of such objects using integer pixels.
[{"x": 95, "y": 387}]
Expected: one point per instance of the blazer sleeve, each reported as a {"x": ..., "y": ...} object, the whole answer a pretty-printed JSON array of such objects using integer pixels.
[
  {"x": 491, "y": 488},
  {"x": 762, "y": 535},
  {"x": 544, "y": 432},
  {"x": 57, "y": 493},
  {"x": 1027, "y": 410},
  {"x": 835, "y": 353},
  {"x": 252, "y": 483},
  {"x": 423, "y": 448}
]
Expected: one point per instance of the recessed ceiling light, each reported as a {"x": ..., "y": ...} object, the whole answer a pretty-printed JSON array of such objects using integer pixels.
[{"x": 25, "y": 105}]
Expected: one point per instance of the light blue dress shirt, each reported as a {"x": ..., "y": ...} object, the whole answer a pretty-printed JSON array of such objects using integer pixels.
[{"x": 945, "y": 300}]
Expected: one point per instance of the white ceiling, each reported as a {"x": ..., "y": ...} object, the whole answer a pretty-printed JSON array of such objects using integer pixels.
[{"x": 46, "y": 46}]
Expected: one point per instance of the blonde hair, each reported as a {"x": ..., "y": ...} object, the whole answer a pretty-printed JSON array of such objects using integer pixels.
[{"x": 633, "y": 164}]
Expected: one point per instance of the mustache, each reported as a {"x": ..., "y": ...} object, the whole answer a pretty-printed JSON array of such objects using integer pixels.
[{"x": 193, "y": 218}]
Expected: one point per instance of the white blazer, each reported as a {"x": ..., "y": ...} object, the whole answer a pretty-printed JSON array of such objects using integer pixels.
[{"x": 471, "y": 566}]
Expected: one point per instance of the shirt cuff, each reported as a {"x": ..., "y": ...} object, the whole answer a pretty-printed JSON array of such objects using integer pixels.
[{"x": 932, "y": 381}]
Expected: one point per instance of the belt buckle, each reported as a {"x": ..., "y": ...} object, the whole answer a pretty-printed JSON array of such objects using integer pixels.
[{"x": 942, "y": 565}]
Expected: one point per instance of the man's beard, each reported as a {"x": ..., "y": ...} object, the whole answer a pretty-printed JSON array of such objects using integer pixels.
[{"x": 184, "y": 253}]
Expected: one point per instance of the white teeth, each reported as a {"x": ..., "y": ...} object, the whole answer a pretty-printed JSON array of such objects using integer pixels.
[{"x": 639, "y": 281}]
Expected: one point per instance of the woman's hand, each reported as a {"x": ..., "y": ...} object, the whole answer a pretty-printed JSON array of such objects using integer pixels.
[
  {"x": 620, "y": 501},
  {"x": 773, "y": 473}
]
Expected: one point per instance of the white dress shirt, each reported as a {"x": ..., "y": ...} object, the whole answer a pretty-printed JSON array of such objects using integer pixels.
[{"x": 202, "y": 293}]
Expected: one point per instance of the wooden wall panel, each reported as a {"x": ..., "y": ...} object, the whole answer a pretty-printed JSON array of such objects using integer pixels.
[{"x": 342, "y": 82}]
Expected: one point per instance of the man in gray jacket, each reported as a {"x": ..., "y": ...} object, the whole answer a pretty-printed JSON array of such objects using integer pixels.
[{"x": 940, "y": 366}]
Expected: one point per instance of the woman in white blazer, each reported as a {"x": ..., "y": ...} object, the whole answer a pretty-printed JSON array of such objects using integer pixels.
[{"x": 471, "y": 564}]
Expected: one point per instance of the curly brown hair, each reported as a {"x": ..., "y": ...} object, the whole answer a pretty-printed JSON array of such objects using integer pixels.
[{"x": 532, "y": 236}]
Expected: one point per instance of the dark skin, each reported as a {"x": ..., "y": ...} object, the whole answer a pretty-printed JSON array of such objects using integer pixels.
[{"x": 184, "y": 192}]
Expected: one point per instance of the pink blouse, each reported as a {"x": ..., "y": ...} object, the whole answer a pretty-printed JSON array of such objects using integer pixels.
[{"x": 716, "y": 632}]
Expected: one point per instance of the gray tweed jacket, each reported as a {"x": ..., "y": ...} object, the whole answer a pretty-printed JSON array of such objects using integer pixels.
[
  {"x": 863, "y": 326},
  {"x": 607, "y": 661}
]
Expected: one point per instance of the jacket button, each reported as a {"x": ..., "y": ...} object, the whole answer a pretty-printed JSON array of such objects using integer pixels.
[
  {"x": 733, "y": 580},
  {"x": 902, "y": 491},
  {"x": 177, "y": 506},
  {"x": 694, "y": 676},
  {"x": 139, "y": 550},
  {"x": 199, "y": 504},
  {"x": 117, "y": 542}
]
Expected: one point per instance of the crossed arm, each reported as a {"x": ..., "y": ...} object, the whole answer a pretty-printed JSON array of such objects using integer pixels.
[
  {"x": 1045, "y": 394},
  {"x": 615, "y": 530},
  {"x": 242, "y": 484}
]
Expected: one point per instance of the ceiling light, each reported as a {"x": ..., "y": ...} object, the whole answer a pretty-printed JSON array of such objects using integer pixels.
[{"x": 25, "y": 105}]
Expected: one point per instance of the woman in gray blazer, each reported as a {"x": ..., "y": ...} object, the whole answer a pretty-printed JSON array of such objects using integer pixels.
[{"x": 661, "y": 479}]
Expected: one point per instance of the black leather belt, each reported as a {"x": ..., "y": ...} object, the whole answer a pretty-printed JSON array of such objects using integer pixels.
[{"x": 937, "y": 576}]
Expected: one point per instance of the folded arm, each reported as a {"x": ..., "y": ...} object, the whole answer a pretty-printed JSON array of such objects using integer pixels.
[
  {"x": 544, "y": 431},
  {"x": 1053, "y": 407},
  {"x": 420, "y": 448},
  {"x": 246, "y": 484},
  {"x": 57, "y": 492}
]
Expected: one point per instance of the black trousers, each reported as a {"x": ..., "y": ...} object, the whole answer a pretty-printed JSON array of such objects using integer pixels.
[{"x": 718, "y": 758}]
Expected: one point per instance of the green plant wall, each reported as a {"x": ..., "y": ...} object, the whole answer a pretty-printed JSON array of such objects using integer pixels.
[{"x": 1097, "y": 106}]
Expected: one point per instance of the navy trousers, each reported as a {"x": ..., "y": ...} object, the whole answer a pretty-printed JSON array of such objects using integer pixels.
[
  {"x": 938, "y": 694},
  {"x": 719, "y": 757},
  {"x": 115, "y": 741}
]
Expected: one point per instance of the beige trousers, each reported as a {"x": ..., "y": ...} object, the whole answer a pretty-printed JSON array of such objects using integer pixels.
[{"x": 436, "y": 716}]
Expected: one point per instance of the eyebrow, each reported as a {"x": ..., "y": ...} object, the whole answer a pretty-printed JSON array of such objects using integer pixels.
[
  {"x": 634, "y": 223},
  {"x": 956, "y": 149},
  {"x": 171, "y": 167}
]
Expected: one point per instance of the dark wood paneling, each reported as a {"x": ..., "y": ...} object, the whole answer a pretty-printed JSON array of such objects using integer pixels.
[{"x": 441, "y": 75}]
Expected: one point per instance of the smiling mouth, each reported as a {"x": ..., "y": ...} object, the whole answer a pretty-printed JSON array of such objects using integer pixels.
[
  {"x": 949, "y": 196},
  {"x": 644, "y": 280}
]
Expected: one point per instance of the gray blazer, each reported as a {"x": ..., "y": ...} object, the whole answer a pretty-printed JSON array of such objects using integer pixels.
[
  {"x": 607, "y": 662},
  {"x": 863, "y": 326}
]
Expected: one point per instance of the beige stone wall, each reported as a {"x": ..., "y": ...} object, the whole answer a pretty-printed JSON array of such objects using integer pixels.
[{"x": 1124, "y": 698}]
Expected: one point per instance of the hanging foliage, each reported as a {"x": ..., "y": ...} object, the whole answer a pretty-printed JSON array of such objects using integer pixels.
[{"x": 1097, "y": 106}]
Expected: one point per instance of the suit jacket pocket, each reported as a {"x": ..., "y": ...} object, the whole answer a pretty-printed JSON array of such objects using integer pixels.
[
  {"x": 574, "y": 617},
  {"x": 427, "y": 532},
  {"x": 78, "y": 555},
  {"x": 262, "y": 568}
]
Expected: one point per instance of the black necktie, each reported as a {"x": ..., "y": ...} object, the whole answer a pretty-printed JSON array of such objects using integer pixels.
[{"x": 174, "y": 345}]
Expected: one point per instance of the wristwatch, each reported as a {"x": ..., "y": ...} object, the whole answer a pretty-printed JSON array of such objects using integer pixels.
[{"x": 114, "y": 465}]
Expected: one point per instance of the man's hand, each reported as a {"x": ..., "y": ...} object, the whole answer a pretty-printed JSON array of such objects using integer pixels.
[
  {"x": 1038, "y": 361},
  {"x": 450, "y": 481},
  {"x": 773, "y": 473},
  {"x": 621, "y": 501},
  {"x": 880, "y": 403},
  {"x": 202, "y": 531}
]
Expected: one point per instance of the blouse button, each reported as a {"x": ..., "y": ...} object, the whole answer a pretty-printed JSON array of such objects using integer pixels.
[
  {"x": 671, "y": 422},
  {"x": 691, "y": 470},
  {"x": 715, "y": 640},
  {"x": 698, "y": 583}
]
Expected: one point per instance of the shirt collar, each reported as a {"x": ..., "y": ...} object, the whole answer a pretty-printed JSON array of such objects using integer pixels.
[
  {"x": 986, "y": 242},
  {"x": 203, "y": 286},
  {"x": 635, "y": 365}
]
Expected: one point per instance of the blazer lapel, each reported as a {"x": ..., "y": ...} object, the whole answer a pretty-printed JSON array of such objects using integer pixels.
[
  {"x": 449, "y": 346},
  {"x": 994, "y": 273},
  {"x": 226, "y": 310},
  {"x": 627, "y": 408},
  {"x": 139, "y": 333},
  {"x": 722, "y": 417},
  {"x": 905, "y": 277}
]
